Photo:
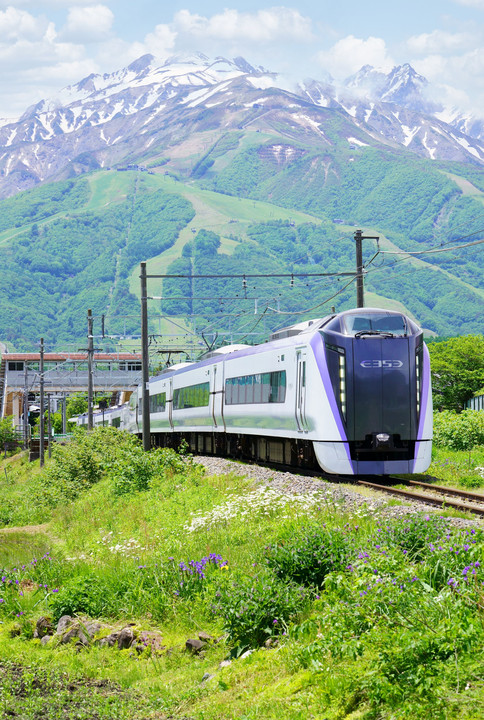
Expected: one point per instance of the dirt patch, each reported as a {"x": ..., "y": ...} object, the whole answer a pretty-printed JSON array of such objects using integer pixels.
[{"x": 27, "y": 529}]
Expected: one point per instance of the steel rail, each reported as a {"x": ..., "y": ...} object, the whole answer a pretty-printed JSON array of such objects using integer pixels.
[{"x": 429, "y": 499}]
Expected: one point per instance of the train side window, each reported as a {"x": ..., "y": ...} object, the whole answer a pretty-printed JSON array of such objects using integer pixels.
[
  {"x": 191, "y": 396},
  {"x": 267, "y": 387}
]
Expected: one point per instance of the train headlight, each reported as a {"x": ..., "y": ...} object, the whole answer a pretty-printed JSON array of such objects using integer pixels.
[
  {"x": 418, "y": 377},
  {"x": 342, "y": 384},
  {"x": 383, "y": 438}
]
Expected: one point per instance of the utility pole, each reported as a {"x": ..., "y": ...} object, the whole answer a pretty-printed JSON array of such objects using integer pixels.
[
  {"x": 26, "y": 408},
  {"x": 49, "y": 425},
  {"x": 64, "y": 417},
  {"x": 360, "y": 300},
  {"x": 90, "y": 357},
  {"x": 41, "y": 373},
  {"x": 145, "y": 369}
]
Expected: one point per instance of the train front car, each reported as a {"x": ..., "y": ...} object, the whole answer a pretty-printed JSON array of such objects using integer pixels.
[{"x": 379, "y": 370}]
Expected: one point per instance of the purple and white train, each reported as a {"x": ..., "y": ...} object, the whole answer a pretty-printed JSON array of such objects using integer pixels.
[{"x": 349, "y": 393}]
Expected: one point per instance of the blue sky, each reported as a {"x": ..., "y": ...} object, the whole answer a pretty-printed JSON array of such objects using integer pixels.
[{"x": 48, "y": 44}]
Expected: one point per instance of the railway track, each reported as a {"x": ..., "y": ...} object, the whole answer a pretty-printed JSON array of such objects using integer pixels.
[{"x": 436, "y": 495}]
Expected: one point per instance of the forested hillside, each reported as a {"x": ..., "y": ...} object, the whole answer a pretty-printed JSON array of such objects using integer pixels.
[{"x": 69, "y": 246}]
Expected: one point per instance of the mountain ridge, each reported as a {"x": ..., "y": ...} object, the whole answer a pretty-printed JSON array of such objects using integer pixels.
[{"x": 143, "y": 106}]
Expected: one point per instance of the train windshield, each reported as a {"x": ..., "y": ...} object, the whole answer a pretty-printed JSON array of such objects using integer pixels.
[{"x": 375, "y": 324}]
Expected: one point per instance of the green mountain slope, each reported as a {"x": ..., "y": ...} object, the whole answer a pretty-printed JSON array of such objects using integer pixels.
[{"x": 74, "y": 245}]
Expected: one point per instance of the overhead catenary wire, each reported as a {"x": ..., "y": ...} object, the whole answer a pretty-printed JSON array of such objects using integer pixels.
[{"x": 432, "y": 250}]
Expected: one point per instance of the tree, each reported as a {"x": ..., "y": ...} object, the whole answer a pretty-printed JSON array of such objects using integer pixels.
[
  {"x": 76, "y": 405},
  {"x": 457, "y": 370},
  {"x": 8, "y": 436}
]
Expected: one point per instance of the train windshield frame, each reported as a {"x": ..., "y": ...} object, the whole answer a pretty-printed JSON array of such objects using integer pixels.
[{"x": 371, "y": 323}]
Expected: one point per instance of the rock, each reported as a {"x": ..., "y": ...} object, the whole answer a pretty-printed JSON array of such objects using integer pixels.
[
  {"x": 63, "y": 624},
  {"x": 224, "y": 663},
  {"x": 43, "y": 627},
  {"x": 205, "y": 637},
  {"x": 126, "y": 638},
  {"x": 109, "y": 640},
  {"x": 246, "y": 654},
  {"x": 270, "y": 643},
  {"x": 46, "y": 639},
  {"x": 70, "y": 629},
  {"x": 195, "y": 646},
  {"x": 207, "y": 677}
]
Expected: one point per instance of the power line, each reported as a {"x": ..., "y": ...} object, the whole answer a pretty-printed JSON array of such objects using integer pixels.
[{"x": 434, "y": 250}]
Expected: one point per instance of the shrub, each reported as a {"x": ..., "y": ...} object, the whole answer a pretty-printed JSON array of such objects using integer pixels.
[
  {"x": 85, "y": 594},
  {"x": 414, "y": 535},
  {"x": 462, "y": 431},
  {"x": 257, "y": 608},
  {"x": 306, "y": 558}
]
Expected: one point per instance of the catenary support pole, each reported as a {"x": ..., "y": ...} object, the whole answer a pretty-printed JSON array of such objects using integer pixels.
[
  {"x": 359, "y": 237},
  {"x": 49, "y": 426},
  {"x": 41, "y": 382},
  {"x": 90, "y": 357},
  {"x": 360, "y": 300},
  {"x": 145, "y": 369},
  {"x": 64, "y": 416},
  {"x": 26, "y": 406}
]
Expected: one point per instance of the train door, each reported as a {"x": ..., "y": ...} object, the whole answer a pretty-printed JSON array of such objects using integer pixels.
[
  {"x": 300, "y": 395},
  {"x": 170, "y": 403},
  {"x": 217, "y": 397}
]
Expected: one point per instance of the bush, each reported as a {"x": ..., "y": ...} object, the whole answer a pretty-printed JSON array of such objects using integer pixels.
[
  {"x": 257, "y": 608},
  {"x": 463, "y": 431},
  {"x": 85, "y": 594},
  {"x": 308, "y": 557}
]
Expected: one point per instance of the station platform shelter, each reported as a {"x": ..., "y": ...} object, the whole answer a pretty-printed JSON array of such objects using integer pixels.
[{"x": 64, "y": 374}]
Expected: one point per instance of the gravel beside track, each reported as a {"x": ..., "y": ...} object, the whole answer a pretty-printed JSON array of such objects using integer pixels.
[{"x": 343, "y": 496}]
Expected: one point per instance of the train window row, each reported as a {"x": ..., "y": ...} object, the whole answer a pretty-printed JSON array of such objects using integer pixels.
[{"x": 267, "y": 387}]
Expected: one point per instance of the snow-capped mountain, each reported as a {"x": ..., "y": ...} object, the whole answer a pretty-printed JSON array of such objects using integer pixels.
[
  {"x": 398, "y": 106},
  {"x": 153, "y": 107}
]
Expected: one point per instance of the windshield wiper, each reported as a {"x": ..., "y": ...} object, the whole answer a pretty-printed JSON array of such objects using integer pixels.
[{"x": 382, "y": 333}]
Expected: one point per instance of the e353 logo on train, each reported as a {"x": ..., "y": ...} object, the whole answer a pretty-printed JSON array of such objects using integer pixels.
[{"x": 381, "y": 363}]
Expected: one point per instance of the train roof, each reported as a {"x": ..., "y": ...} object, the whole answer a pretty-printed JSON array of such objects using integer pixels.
[{"x": 282, "y": 338}]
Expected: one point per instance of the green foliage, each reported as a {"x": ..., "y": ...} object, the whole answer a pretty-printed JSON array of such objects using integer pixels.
[
  {"x": 74, "y": 469},
  {"x": 77, "y": 261},
  {"x": 43, "y": 202},
  {"x": 463, "y": 431},
  {"x": 207, "y": 243},
  {"x": 457, "y": 370},
  {"x": 255, "y": 608},
  {"x": 7, "y": 431},
  {"x": 76, "y": 405},
  {"x": 306, "y": 557},
  {"x": 85, "y": 594}
]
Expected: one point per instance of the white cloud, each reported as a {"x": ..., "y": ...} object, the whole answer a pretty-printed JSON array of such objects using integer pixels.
[
  {"x": 160, "y": 42},
  {"x": 19, "y": 24},
  {"x": 479, "y": 4},
  {"x": 459, "y": 79},
  {"x": 270, "y": 25},
  {"x": 349, "y": 54},
  {"x": 45, "y": 3},
  {"x": 438, "y": 41},
  {"x": 88, "y": 24}
]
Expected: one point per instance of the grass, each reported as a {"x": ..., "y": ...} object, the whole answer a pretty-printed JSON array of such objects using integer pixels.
[
  {"x": 392, "y": 630},
  {"x": 456, "y": 468}
]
